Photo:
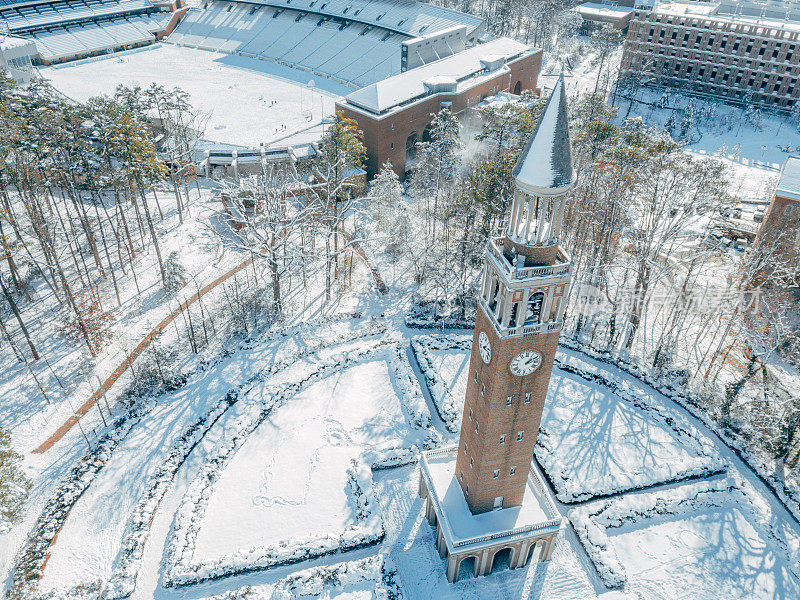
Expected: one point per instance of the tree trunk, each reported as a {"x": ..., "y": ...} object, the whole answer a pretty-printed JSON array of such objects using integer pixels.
[{"x": 17, "y": 315}]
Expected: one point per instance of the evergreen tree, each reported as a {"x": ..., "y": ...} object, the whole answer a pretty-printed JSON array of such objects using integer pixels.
[{"x": 14, "y": 485}]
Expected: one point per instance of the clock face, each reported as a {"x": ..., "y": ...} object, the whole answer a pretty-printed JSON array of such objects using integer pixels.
[
  {"x": 525, "y": 363},
  {"x": 484, "y": 347}
]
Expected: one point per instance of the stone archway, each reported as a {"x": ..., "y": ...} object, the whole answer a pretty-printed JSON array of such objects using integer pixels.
[
  {"x": 502, "y": 560},
  {"x": 426, "y": 133},
  {"x": 518, "y": 88},
  {"x": 411, "y": 149},
  {"x": 466, "y": 567}
]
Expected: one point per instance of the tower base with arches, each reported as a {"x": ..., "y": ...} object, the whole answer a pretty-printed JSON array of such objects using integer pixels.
[{"x": 514, "y": 536}]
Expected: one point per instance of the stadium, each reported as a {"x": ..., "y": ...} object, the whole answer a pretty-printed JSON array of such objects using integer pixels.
[{"x": 267, "y": 73}]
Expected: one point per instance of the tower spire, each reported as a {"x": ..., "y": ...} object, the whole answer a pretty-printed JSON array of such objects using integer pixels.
[
  {"x": 545, "y": 165},
  {"x": 542, "y": 177}
]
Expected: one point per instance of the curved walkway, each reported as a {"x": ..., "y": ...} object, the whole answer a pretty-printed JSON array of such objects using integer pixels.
[
  {"x": 158, "y": 329},
  {"x": 125, "y": 365}
]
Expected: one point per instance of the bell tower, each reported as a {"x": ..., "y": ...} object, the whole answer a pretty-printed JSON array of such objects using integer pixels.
[
  {"x": 487, "y": 496},
  {"x": 525, "y": 280}
]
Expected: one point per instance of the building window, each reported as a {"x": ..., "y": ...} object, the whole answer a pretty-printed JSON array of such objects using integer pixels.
[
  {"x": 476, "y": 377},
  {"x": 476, "y": 428},
  {"x": 508, "y": 400},
  {"x": 483, "y": 389},
  {"x": 470, "y": 414},
  {"x": 461, "y": 476},
  {"x": 471, "y": 462},
  {"x": 519, "y": 435},
  {"x": 496, "y": 474},
  {"x": 502, "y": 439},
  {"x": 527, "y": 397},
  {"x": 392, "y": 145},
  {"x": 512, "y": 471},
  {"x": 465, "y": 449},
  {"x": 466, "y": 491}
]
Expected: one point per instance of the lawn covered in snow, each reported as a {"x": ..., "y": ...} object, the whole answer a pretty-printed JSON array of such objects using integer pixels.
[
  {"x": 291, "y": 474},
  {"x": 592, "y": 441},
  {"x": 242, "y": 101},
  {"x": 718, "y": 554}
]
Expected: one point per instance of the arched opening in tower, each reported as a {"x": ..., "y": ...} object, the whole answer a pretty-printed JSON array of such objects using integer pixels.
[
  {"x": 535, "y": 552},
  {"x": 518, "y": 88},
  {"x": 502, "y": 560},
  {"x": 533, "y": 316},
  {"x": 466, "y": 568}
]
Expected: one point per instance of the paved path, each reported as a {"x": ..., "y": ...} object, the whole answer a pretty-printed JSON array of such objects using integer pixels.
[
  {"x": 125, "y": 365},
  {"x": 158, "y": 329}
]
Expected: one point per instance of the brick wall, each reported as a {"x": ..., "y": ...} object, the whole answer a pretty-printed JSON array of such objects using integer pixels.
[
  {"x": 711, "y": 56},
  {"x": 487, "y": 399},
  {"x": 386, "y": 138}
]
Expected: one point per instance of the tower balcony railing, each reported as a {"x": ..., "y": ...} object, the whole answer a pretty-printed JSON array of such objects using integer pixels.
[
  {"x": 562, "y": 267},
  {"x": 521, "y": 329},
  {"x": 551, "y": 525}
]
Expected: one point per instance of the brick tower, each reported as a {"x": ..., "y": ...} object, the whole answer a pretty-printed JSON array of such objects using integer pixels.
[
  {"x": 525, "y": 279},
  {"x": 486, "y": 497}
]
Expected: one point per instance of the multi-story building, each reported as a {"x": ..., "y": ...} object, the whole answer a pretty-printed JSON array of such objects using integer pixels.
[
  {"x": 485, "y": 496},
  {"x": 396, "y": 112},
  {"x": 739, "y": 52},
  {"x": 778, "y": 239}
]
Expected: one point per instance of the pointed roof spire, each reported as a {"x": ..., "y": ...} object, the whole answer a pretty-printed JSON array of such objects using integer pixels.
[{"x": 545, "y": 165}]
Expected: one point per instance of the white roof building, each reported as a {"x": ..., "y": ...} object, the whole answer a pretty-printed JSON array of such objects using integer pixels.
[
  {"x": 789, "y": 182},
  {"x": 16, "y": 57},
  {"x": 452, "y": 74}
]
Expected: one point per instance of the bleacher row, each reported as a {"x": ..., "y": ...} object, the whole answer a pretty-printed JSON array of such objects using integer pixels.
[
  {"x": 348, "y": 51},
  {"x": 33, "y": 16},
  {"x": 87, "y": 38},
  {"x": 403, "y": 16}
]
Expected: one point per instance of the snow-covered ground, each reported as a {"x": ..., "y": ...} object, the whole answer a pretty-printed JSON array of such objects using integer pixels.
[
  {"x": 289, "y": 477},
  {"x": 700, "y": 546},
  {"x": 91, "y": 536},
  {"x": 243, "y": 101},
  {"x": 292, "y": 470},
  {"x": 288, "y": 481}
]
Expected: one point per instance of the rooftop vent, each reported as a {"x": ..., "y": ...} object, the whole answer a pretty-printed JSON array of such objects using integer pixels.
[
  {"x": 492, "y": 62},
  {"x": 439, "y": 84}
]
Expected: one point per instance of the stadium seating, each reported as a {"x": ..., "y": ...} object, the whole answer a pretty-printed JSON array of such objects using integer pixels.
[
  {"x": 65, "y": 29},
  {"x": 329, "y": 37}
]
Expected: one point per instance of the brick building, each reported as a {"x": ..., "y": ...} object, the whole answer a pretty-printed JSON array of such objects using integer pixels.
[
  {"x": 778, "y": 237},
  {"x": 485, "y": 496},
  {"x": 396, "y": 112},
  {"x": 732, "y": 51}
]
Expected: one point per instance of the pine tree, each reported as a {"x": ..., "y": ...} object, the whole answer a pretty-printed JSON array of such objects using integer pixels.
[
  {"x": 175, "y": 273},
  {"x": 14, "y": 485}
]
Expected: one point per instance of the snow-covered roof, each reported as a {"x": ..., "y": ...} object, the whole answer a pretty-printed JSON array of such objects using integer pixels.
[
  {"x": 588, "y": 9},
  {"x": 8, "y": 42},
  {"x": 789, "y": 182},
  {"x": 773, "y": 15},
  {"x": 384, "y": 95},
  {"x": 464, "y": 530},
  {"x": 545, "y": 165}
]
